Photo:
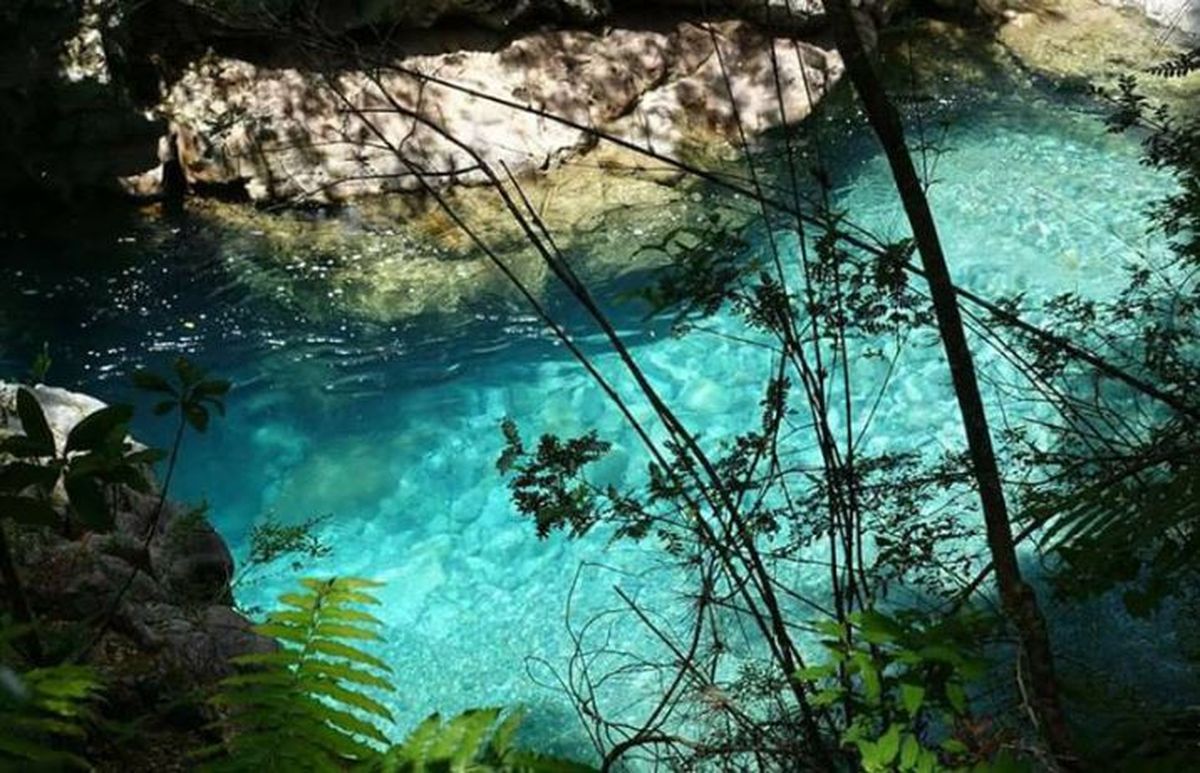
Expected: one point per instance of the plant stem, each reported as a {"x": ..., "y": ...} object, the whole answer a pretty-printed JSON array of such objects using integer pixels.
[
  {"x": 1017, "y": 597},
  {"x": 111, "y": 613}
]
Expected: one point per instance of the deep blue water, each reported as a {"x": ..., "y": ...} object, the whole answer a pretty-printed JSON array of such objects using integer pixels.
[{"x": 391, "y": 428}]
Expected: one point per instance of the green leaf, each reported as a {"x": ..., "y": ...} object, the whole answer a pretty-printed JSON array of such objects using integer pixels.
[
  {"x": 504, "y": 737},
  {"x": 88, "y": 502},
  {"x": 872, "y": 686},
  {"x": 284, "y": 658},
  {"x": 30, "y": 511},
  {"x": 910, "y": 750},
  {"x": 301, "y": 601},
  {"x": 339, "y": 650},
  {"x": 33, "y": 421},
  {"x": 344, "y": 631},
  {"x": 954, "y": 746},
  {"x": 331, "y": 689},
  {"x": 292, "y": 633},
  {"x": 152, "y": 382},
  {"x": 15, "y": 477},
  {"x": 345, "y": 673},
  {"x": 336, "y": 584},
  {"x": 352, "y": 724},
  {"x": 815, "y": 673},
  {"x": 912, "y": 696},
  {"x": 40, "y": 365},
  {"x": 831, "y": 628},
  {"x": 956, "y": 696},
  {"x": 883, "y": 751},
  {"x": 878, "y": 628},
  {"x": 97, "y": 426},
  {"x": 462, "y": 737},
  {"x": 827, "y": 697},
  {"x": 196, "y": 415}
]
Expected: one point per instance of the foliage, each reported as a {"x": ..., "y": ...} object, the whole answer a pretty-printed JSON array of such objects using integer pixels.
[
  {"x": 271, "y": 540},
  {"x": 41, "y": 364},
  {"x": 306, "y": 706},
  {"x": 1141, "y": 533},
  {"x": 475, "y": 740},
  {"x": 903, "y": 681},
  {"x": 42, "y": 712},
  {"x": 192, "y": 394},
  {"x": 1183, "y": 63},
  {"x": 97, "y": 455},
  {"x": 1173, "y": 144},
  {"x": 1121, "y": 513},
  {"x": 547, "y": 484}
]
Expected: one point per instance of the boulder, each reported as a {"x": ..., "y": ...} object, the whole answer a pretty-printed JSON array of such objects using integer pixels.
[
  {"x": 175, "y": 629},
  {"x": 287, "y": 132}
]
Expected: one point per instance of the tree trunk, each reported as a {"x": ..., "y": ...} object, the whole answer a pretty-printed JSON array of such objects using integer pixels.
[{"x": 1017, "y": 597}]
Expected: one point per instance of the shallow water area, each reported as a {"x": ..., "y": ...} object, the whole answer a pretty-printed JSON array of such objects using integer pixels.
[{"x": 389, "y": 432}]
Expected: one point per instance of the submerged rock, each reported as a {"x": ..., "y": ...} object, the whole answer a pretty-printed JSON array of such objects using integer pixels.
[{"x": 1097, "y": 42}]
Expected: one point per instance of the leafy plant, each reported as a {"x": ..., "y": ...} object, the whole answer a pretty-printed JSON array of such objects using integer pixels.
[
  {"x": 902, "y": 682},
  {"x": 475, "y": 740},
  {"x": 41, "y": 711},
  {"x": 97, "y": 454},
  {"x": 1138, "y": 530},
  {"x": 192, "y": 394},
  {"x": 305, "y": 706},
  {"x": 1183, "y": 63},
  {"x": 547, "y": 484},
  {"x": 41, "y": 364},
  {"x": 271, "y": 540}
]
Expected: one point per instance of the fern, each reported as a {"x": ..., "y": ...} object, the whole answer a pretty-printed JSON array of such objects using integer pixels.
[
  {"x": 1139, "y": 530},
  {"x": 305, "y": 706},
  {"x": 476, "y": 740},
  {"x": 41, "y": 711}
]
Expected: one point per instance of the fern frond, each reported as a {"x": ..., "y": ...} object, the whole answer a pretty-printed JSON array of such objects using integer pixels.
[
  {"x": 303, "y": 708},
  {"x": 475, "y": 740},
  {"x": 1139, "y": 528},
  {"x": 40, "y": 710}
]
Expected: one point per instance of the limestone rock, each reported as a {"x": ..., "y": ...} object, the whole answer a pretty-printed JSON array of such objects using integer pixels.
[
  {"x": 63, "y": 409},
  {"x": 284, "y": 133},
  {"x": 1097, "y": 43},
  {"x": 1180, "y": 15}
]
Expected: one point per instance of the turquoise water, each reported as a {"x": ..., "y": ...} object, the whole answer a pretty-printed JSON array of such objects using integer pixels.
[{"x": 391, "y": 430}]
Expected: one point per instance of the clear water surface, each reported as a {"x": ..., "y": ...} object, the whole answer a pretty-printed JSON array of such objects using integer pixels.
[{"x": 392, "y": 429}]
